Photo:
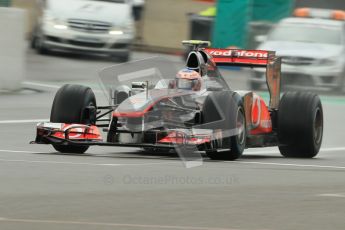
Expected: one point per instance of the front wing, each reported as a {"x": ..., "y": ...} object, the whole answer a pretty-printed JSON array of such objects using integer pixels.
[{"x": 79, "y": 134}]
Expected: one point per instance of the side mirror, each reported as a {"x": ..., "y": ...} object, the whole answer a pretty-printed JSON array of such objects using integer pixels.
[
  {"x": 120, "y": 94},
  {"x": 139, "y": 85},
  {"x": 260, "y": 38}
]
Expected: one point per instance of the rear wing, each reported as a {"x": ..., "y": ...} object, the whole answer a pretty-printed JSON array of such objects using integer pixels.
[
  {"x": 236, "y": 57},
  {"x": 252, "y": 58}
]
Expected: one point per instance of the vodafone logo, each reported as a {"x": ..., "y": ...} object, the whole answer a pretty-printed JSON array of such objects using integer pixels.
[
  {"x": 221, "y": 53},
  {"x": 237, "y": 53}
]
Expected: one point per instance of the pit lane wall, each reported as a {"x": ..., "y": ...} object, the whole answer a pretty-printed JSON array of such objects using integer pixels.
[
  {"x": 30, "y": 6},
  {"x": 12, "y": 46},
  {"x": 166, "y": 22}
]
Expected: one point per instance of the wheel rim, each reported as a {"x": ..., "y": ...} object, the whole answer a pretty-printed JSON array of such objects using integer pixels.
[
  {"x": 240, "y": 127},
  {"x": 318, "y": 126}
]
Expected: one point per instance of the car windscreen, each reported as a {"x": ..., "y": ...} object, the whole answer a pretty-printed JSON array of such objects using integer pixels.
[{"x": 306, "y": 33}]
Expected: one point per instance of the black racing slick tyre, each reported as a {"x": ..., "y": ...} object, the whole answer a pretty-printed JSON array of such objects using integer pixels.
[
  {"x": 223, "y": 112},
  {"x": 70, "y": 106},
  {"x": 300, "y": 125}
]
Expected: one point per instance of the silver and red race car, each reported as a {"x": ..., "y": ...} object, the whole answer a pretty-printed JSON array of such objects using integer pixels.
[{"x": 191, "y": 112}]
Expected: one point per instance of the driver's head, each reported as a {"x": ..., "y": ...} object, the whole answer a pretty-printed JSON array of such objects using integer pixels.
[{"x": 189, "y": 80}]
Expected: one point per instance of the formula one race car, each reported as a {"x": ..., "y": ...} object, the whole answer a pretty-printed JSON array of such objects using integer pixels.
[{"x": 194, "y": 110}]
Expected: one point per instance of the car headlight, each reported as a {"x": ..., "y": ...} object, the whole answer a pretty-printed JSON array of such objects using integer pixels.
[
  {"x": 55, "y": 22},
  {"x": 115, "y": 32},
  {"x": 125, "y": 28},
  {"x": 60, "y": 27}
]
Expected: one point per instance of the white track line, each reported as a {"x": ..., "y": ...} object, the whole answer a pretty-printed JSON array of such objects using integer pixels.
[
  {"x": 337, "y": 195},
  {"x": 335, "y": 149},
  {"x": 139, "y": 226},
  {"x": 19, "y": 151},
  {"x": 24, "y": 121},
  {"x": 51, "y": 86},
  {"x": 41, "y": 85},
  {"x": 235, "y": 162},
  {"x": 331, "y": 149},
  {"x": 165, "y": 163},
  {"x": 286, "y": 164},
  {"x": 82, "y": 163}
]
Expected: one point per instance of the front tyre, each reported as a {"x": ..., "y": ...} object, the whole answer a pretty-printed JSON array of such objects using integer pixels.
[
  {"x": 300, "y": 125},
  {"x": 122, "y": 57},
  {"x": 70, "y": 106},
  {"x": 38, "y": 44},
  {"x": 224, "y": 112}
]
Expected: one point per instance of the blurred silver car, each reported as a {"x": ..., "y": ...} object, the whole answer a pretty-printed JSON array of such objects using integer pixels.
[
  {"x": 92, "y": 26},
  {"x": 312, "y": 47}
]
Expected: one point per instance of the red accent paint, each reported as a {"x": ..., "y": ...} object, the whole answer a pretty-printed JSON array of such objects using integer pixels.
[
  {"x": 79, "y": 133},
  {"x": 255, "y": 111},
  {"x": 175, "y": 137},
  {"x": 265, "y": 122},
  {"x": 130, "y": 114}
]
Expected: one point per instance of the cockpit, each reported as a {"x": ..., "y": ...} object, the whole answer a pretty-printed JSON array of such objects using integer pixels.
[{"x": 201, "y": 62}]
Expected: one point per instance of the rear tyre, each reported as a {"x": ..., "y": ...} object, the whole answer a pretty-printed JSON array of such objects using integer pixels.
[
  {"x": 300, "y": 125},
  {"x": 70, "y": 106},
  {"x": 229, "y": 120}
]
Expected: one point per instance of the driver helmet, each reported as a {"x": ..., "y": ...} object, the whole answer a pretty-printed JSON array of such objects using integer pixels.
[{"x": 188, "y": 79}]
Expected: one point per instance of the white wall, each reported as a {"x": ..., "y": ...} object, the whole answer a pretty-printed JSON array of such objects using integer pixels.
[{"x": 12, "y": 48}]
